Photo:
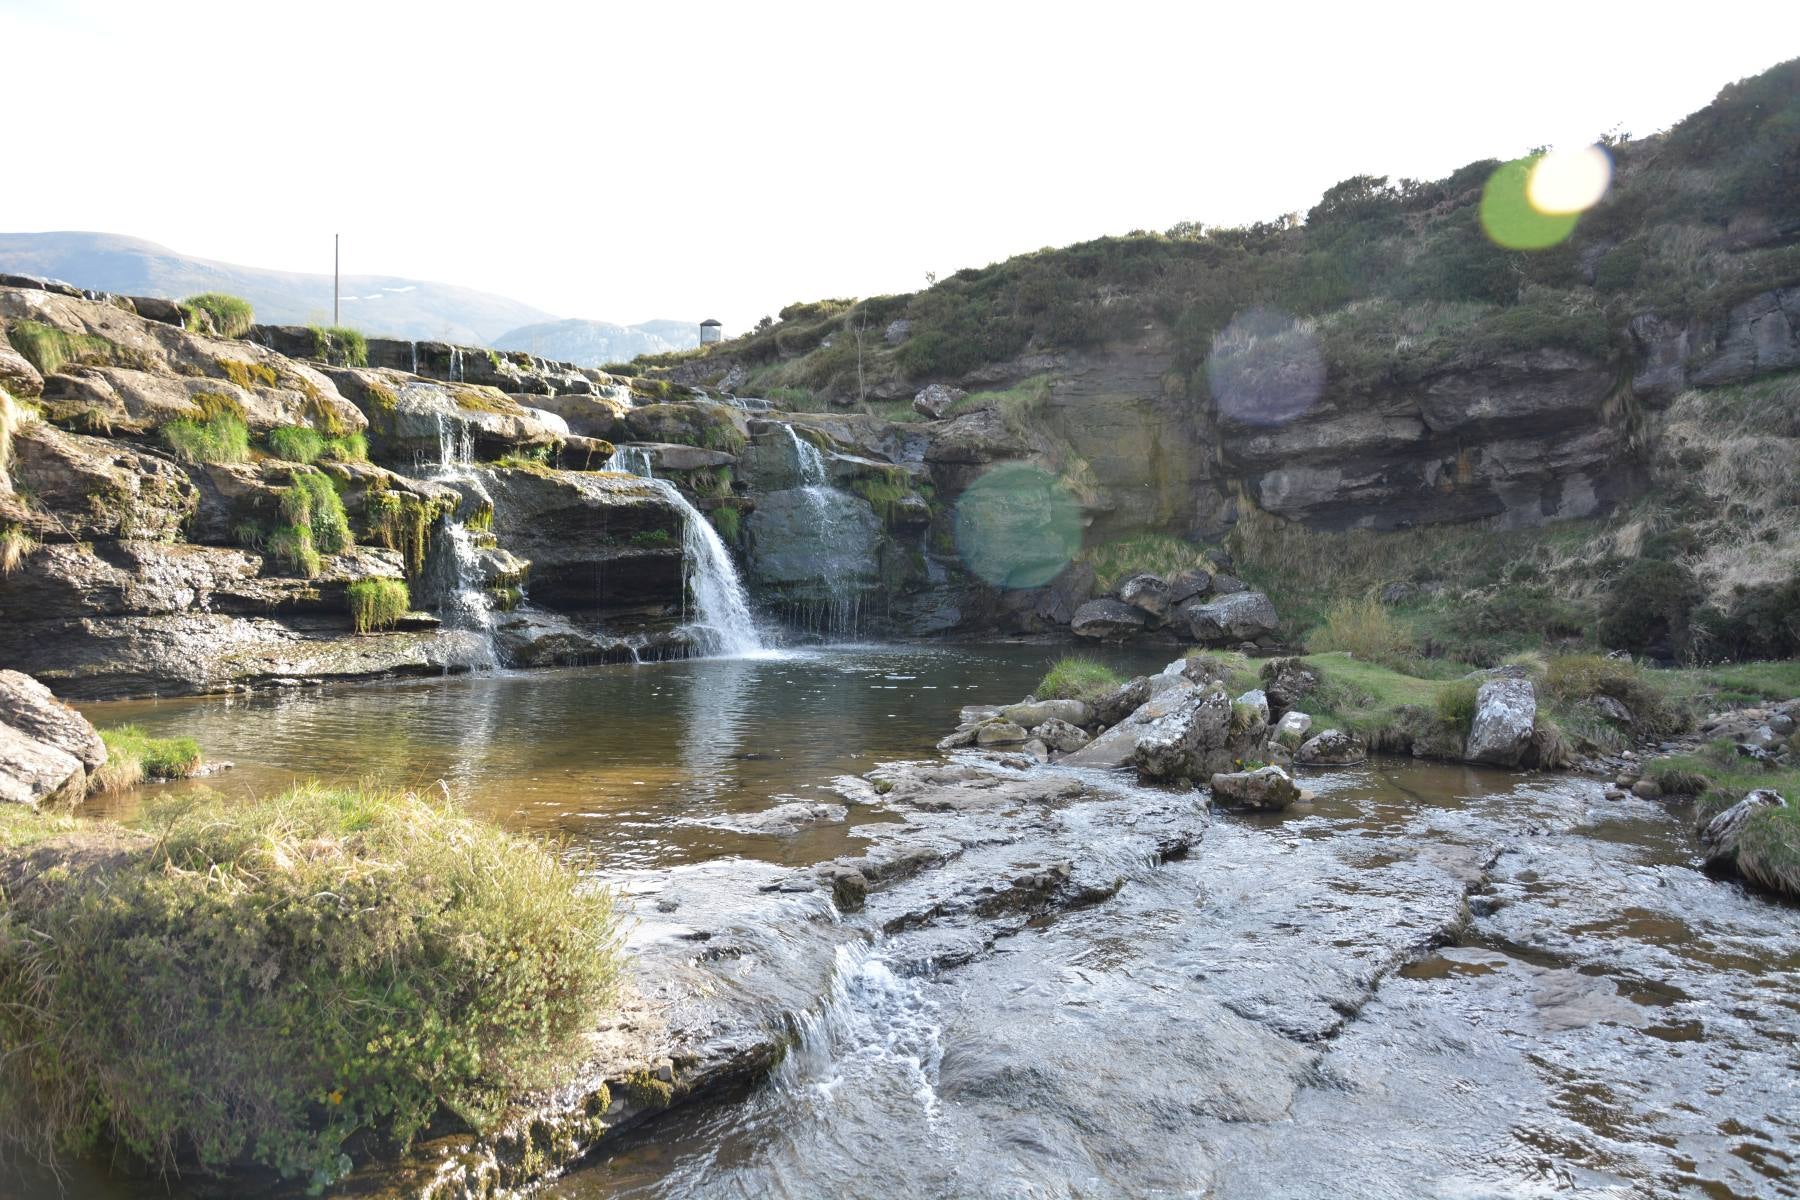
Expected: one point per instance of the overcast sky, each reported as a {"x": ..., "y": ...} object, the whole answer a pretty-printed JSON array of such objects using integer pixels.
[{"x": 699, "y": 159}]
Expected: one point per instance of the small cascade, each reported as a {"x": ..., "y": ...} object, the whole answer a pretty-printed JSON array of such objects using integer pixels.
[
  {"x": 839, "y": 613},
  {"x": 454, "y": 576},
  {"x": 456, "y": 367},
  {"x": 414, "y": 347},
  {"x": 873, "y": 1023},
  {"x": 723, "y": 626}
]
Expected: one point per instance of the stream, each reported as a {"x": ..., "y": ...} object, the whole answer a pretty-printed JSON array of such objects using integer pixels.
[{"x": 1428, "y": 981}]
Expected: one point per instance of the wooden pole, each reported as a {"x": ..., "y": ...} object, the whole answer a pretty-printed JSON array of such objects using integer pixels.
[{"x": 334, "y": 279}]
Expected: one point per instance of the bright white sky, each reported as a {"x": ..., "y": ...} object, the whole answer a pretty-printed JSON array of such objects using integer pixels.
[{"x": 695, "y": 159}]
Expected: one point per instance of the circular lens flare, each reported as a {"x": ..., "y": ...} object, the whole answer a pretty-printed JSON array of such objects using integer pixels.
[
  {"x": 1017, "y": 526},
  {"x": 1569, "y": 181},
  {"x": 1509, "y": 217}
]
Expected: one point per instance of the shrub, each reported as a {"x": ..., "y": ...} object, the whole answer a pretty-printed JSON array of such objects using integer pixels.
[
  {"x": 295, "y": 443},
  {"x": 231, "y": 316},
  {"x": 1366, "y": 629},
  {"x": 1572, "y": 678},
  {"x": 133, "y": 756},
  {"x": 378, "y": 603},
  {"x": 1074, "y": 678},
  {"x": 259, "y": 983},
  {"x": 1649, "y": 606}
]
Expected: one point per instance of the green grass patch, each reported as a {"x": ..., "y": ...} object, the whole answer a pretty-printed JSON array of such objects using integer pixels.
[
  {"x": 133, "y": 756},
  {"x": 1075, "y": 678},
  {"x": 1143, "y": 553},
  {"x": 1740, "y": 683},
  {"x": 728, "y": 521},
  {"x": 655, "y": 539},
  {"x": 274, "y": 982},
  {"x": 232, "y": 316},
  {"x": 1017, "y": 405},
  {"x": 339, "y": 345},
  {"x": 378, "y": 603},
  {"x": 1570, "y": 679},
  {"x": 219, "y": 435},
  {"x": 304, "y": 444},
  {"x": 311, "y": 502}
]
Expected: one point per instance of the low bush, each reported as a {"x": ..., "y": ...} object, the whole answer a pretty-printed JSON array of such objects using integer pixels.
[
  {"x": 1648, "y": 607},
  {"x": 263, "y": 982},
  {"x": 1366, "y": 629},
  {"x": 378, "y": 603},
  {"x": 132, "y": 756},
  {"x": 231, "y": 316},
  {"x": 1570, "y": 679},
  {"x": 1074, "y": 678},
  {"x": 1455, "y": 703}
]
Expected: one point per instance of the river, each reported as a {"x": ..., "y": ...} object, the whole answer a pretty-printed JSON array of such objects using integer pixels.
[{"x": 1428, "y": 981}]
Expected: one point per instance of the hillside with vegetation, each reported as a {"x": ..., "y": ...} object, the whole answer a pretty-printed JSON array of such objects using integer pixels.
[{"x": 1595, "y": 436}]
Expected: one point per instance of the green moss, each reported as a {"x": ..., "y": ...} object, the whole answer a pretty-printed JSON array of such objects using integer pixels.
[
  {"x": 1075, "y": 678},
  {"x": 647, "y": 1090},
  {"x": 377, "y": 604},
  {"x": 655, "y": 539},
  {"x": 248, "y": 375},
  {"x": 272, "y": 982},
  {"x": 231, "y": 316},
  {"x": 133, "y": 756},
  {"x": 311, "y": 501},
  {"x": 505, "y": 599},
  {"x": 402, "y": 521},
  {"x": 49, "y": 349},
  {"x": 292, "y": 547}
]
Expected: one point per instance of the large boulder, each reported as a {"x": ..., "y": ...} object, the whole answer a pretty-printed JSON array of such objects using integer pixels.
[
  {"x": 1202, "y": 735},
  {"x": 1290, "y": 732},
  {"x": 86, "y": 488},
  {"x": 935, "y": 399},
  {"x": 1227, "y": 620},
  {"x": 123, "y": 399},
  {"x": 35, "y": 773},
  {"x": 1186, "y": 585},
  {"x": 1121, "y": 702},
  {"x": 1072, "y": 587},
  {"x": 1265, "y": 788},
  {"x": 27, "y": 706},
  {"x": 18, "y": 377},
  {"x": 1505, "y": 718},
  {"x": 1332, "y": 748},
  {"x": 1108, "y": 620},
  {"x": 1147, "y": 593},
  {"x": 1114, "y": 748},
  {"x": 814, "y": 545}
]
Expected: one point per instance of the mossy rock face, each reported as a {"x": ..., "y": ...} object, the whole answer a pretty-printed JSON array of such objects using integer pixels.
[{"x": 709, "y": 426}]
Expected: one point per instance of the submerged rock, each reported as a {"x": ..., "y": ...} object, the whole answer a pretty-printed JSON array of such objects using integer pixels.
[
  {"x": 1505, "y": 718},
  {"x": 783, "y": 820},
  {"x": 999, "y": 733},
  {"x": 1265, "y": 788}
]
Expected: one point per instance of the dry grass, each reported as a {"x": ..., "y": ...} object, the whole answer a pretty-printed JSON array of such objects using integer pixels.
[
  {"x": 15, "y": 547},
  {"x": 1367, "y": 629}
]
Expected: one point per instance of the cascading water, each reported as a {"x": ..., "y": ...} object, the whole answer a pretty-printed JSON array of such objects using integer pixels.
[
  {"x": 454, "y": 578},
  {"x": 840, "y": 613},
  {"x": 723, "y": 626}
]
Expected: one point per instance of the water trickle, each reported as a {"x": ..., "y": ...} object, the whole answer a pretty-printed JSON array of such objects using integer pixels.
[
  {"x": 456, "y": 368},
  {"x": 872, "y": 1021},
  {"x": 455, "y": 580},
  {"x": 839, "y": 614},
  {"x": 722, "y": 624}
]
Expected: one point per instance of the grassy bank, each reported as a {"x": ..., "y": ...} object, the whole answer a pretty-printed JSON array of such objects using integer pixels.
[
  {"x": 133, "y": 756},
  {"x": 277, "y": 983}
]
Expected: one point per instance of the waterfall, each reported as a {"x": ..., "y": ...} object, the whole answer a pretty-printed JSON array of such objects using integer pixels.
[
  {"x": 454, "y": 577},
  {"x": 841, "y": 611},
  {"x": 723, "y": 626}
]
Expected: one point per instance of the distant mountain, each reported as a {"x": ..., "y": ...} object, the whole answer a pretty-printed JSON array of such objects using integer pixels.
[
  {"x": 594, "y": 343},
  {"x": 375, "y": 304}
]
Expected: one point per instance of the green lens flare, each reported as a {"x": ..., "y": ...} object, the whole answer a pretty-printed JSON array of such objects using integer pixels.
[
  {"x": 1509, "y": 217},
  {"x": 1017, "y": 526}
]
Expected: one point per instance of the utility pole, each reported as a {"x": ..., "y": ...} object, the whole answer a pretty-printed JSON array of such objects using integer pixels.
[{"x": 334, "y": 279}]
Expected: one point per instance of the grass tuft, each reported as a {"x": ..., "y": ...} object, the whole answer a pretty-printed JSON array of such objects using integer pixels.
[
  {"x": 132, "y": 756},
  {"x": 1143, "y": 553},
  {"x": 1075, "y": 678},
  {"x": 16, "y": 546},
  {"x": 272, "y": 983},
  {"x": 1367, "y": 629},
  {"x": 378, "y": 603},
  {"x": 232, "y": 316}
]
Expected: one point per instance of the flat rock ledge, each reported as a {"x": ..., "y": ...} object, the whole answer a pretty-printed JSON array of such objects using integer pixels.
[{"x": 732, "y": 956}]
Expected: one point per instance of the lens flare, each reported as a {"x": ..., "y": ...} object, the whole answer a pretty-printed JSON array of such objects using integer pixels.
[
  {"x": 1569, "y": 181},
  {"x": 1510, "y": 218},
  {"x": 1017, "y": 526},
  {"x": 1265, "y": 368}
]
